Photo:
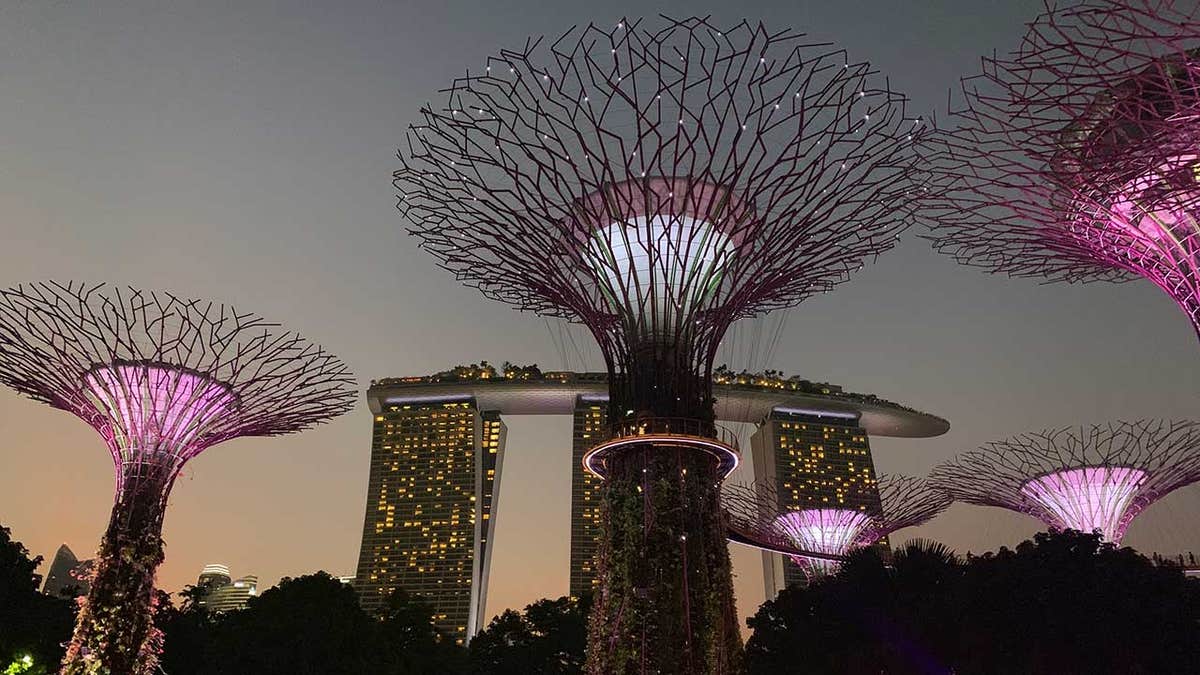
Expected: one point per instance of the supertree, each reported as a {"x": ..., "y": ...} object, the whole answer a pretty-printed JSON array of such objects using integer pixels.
[
  {"x": 818, "y": 538},
  {"x": 1096, "y": 478},
  {"x": 656, "y": 183},
  {"x": 161, "y": 379},
  {"x": 1074, "y": 158}
]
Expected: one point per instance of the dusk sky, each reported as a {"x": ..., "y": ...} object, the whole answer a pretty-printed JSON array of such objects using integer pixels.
[{"x": 242, "y": 152}]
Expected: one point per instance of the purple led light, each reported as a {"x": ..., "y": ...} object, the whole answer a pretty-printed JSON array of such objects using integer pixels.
[
  {"x": 831, "y": 531},
  {"x": 727, "y": 457},
  {"x": 1149, "y": 227},
  {"x": 819, "y": 413},
  {"x": 154, "y": 413},
  {"x": 1097, "y": 477},
  {"x": 1088, "y": 498},
  {"x": 1073, "y": 158},
  {"x": 763, "y": 515},
  {"x": 161, "y": 378}
]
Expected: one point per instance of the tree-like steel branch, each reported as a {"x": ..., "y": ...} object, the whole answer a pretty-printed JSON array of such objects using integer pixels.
[
  {"x": 54, "y": 335},
  {"x": 660, "y": 180},
  {"x": 161, "y": 378},
  {"x": 1090, "y": 478},
  {"x": 1074, "y": 158},
  {"x": 816, "y": 538},
  {"x": 657, "y": 181}
]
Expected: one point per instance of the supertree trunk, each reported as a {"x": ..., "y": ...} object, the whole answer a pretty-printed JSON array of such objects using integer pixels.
[
  {"x": 115, "y": 632},
  {"x": 665, "y": 602},
  {"x": 161, "y": 379}
]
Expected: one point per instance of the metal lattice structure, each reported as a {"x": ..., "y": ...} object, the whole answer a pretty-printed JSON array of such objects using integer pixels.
[
  {"x": 656, "y": 182},
  {"x": 1073, "y": 158},
  {"x": 816, "y": 539},
  {"x": 161, "y": 379},
  {"x": 660, "y": 181},
  {"x": 1096, "y": 478}
]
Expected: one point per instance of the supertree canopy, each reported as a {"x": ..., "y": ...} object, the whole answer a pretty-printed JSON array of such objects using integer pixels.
[
  {"x": 657, "y": 181},
  {"x": 1073, "y": 158},
  {"x": 1096, "y": 478},
  {"x": 161, "y": 379},
  {"x": 816, "y": 539}
]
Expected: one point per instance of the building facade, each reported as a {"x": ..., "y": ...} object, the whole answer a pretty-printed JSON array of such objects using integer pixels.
[
  {"x": 432, "y": 492},
  {"x": 222, "y": 593},
  {"x": 68, "y": 575},
  {"x": 589, "y": 420},
  {"x": 437, "y": 449},
  {"x": 819, "y": 459}
]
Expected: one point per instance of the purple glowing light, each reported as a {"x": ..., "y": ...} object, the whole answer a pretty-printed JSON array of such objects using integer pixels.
[
  {"x": 1088, "y": 478},
  {"x": 161, "y": 378},
  {"x": 1149, "y": 227},
  {"x": 1088, "y": 498},
  {"x": 765, "y": 516},
  {"x": 155, "y": 413},
  {"x": 727, "y": 457},
  {"x": 830, "y": 531},
  {"x": 1073, "y": 157}
]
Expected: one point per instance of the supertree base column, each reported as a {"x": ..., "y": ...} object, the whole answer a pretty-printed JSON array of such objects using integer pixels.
[
  {"x": 161, "y": 379},
  {"x": 665, "y": 599},
  {"x": 115, "y": 631}
]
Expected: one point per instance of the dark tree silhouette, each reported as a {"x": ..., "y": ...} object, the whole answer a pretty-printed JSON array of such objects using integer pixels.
[
  {"x": 408, "y": 642},
  {"x": 549, "y": 638},
  {"x": 1063, "y": 603},
  {"x": 31, "y": 624},
  {"x": 188, "y": 632},
  {"x": 311, "y": 624}
]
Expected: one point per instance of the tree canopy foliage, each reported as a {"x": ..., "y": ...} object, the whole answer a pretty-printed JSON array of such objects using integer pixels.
[
  {"x": 1063, "y": 603},
  {"x": 548, "y": 638},
  {"x": 32, "y": 626},
  {"x": 310, "y": 625}
]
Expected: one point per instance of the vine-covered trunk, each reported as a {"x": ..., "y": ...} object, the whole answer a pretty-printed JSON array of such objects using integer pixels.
[
  {"x": 665, "y": 599},
  {"x": 114, "y": 632}
]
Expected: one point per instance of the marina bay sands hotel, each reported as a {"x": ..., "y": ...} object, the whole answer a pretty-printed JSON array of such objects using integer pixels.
[{"x": 437, "y": 449}]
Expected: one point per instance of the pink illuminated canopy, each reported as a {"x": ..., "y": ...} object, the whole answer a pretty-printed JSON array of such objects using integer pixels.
[
  {"x": 832, "y": 531},
  {"x": 154, "y": 413},
  {"x": 1088, "y": 498}
]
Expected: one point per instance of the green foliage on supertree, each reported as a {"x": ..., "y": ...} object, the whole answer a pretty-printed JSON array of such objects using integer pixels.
[
  {"x": 665, "y": 576},
  {"x": 117, "y": 618}
]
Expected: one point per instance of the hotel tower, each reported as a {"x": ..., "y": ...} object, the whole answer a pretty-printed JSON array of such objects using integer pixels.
[
  {"x": 433, "y": 486},
  {"x": 819, "y": 460},
  {"x": 437, "y": 445}
]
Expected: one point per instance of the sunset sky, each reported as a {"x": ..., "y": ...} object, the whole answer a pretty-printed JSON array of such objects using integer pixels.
[{"x": 242, "y": 152}]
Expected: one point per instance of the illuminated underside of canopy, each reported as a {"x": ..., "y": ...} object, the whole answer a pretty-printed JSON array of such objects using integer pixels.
[
  {"x": 1073, "y": 158},
  {"x": 656, "y": 182},
  {"x": 1088, "y": 498},
  {"x": 1090, "y": 478},
  {"x": 760, "y": 516},
  {"x": 832, "y": 531},
  {"x": 161, "y": 378},
  {"x": 156, "y": 415}
]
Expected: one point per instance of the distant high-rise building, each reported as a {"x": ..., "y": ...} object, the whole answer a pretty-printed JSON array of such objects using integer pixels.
[
  {"x": 213, "y": 576},
  {"x": 221, "y": 593},
  {"x": 590, "y": 418},
  {"x": 819, "y": 459},
  {"x": 432, "y": 491},
  {"x": 68, "y": 574},
  {"x": 438, "y": 440}
]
